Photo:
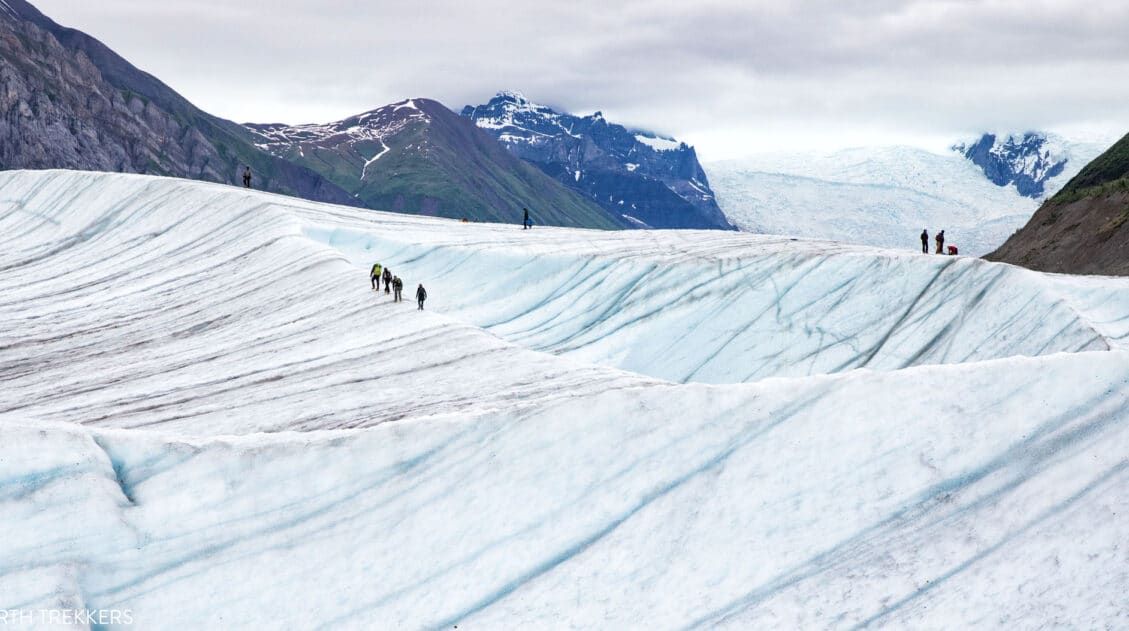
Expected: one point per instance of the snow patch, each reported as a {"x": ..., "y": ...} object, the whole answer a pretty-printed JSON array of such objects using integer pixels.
[
  {"x": 658, "y": 144},
  {"x": 512, "y": 138},
  {"x": 697, "y": 186},
  {"x": 639, "y": 223},
  {"x": 384, "y": 150}
]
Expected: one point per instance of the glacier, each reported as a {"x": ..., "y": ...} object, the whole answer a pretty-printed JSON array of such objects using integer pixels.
[
  {"x": 885, "y": 196},
  {"x": 210, "y": 420}
]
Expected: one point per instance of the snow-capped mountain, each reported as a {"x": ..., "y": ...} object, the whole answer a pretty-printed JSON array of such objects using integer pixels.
[
  {"x": 882, "y": 196},
  {"x": 363, "y": 134},
  {"x": 646, "y": 179},
  {"x": 417, "y": 156},
  {"x": 1030, "y": 161}
]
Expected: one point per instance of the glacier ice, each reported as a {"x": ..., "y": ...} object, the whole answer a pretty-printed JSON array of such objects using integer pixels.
[
  {"x": 882, "y": 196},
  {"x": 210, "y": 420}
]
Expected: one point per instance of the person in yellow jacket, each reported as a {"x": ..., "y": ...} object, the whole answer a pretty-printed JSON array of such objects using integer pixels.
[{"x": 374, "y": 275}]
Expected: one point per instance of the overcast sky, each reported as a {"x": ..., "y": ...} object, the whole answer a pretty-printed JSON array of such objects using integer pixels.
[{"x": 733, "y": 77}]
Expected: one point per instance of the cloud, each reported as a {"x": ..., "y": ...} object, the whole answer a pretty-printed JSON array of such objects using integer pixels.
[{"x": 733, "y": 76}]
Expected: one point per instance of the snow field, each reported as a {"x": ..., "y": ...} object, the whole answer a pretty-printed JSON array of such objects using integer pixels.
[
  {"x": 699, "y": 307},
  {"x": 525, "y": 453},
  {"x": 883, "y": 196}
]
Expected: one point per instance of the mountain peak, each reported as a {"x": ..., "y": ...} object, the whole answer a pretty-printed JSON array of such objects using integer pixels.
[
  {"x": 512, "y": 95},
  {"x": 640, "y": 177},
  {"x": 366, "y": 128},
  {"x": 1026, "y": 159},
  {"x": 418, "y": 156}
]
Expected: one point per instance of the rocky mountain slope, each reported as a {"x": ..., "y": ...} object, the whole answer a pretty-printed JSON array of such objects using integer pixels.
[
  {"x": 647, "y": 180},
  {"x": 68, "y": 101},
  {"x": 1082, "y": 229},
  {"x": 1027, "y": 160},
  {"x": 419, "y": 157}
]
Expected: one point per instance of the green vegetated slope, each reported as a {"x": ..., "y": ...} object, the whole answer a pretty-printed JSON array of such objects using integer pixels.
[
  {"x": 1084, "y": 229},
  {"x": 419, "y": 157}
]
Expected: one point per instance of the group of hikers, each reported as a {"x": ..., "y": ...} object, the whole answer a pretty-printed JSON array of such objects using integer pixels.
[
  {"x": 940, "y": 239},
  {"x": 393, "y": 284}
]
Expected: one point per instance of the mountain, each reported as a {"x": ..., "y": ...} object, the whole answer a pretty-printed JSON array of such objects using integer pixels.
[
  {"x": 648, "y": 180},
  {"x": 1027, "y": 160},
  {"x": 880, "y": 196},
  {"x": 1082, "y": 229},
  {"x": 70, "y": 102},
  {"x": 419, "y": 157}
]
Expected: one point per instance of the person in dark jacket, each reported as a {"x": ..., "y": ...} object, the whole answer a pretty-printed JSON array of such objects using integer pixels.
[
  {"x": 940, "y": 238},
  {"x": 924, "y": 241},
  {"x": 247, "y": 177},
  {"x": 421, "y": 295},
  {"x": 526, "y": 222},
  {"x": 397, "y": 289},
  {"x": 387, "y": 280}
]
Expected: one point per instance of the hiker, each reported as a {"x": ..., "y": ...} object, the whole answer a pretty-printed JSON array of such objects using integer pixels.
[
  {"x": 397, "y": 288},
  {"x": 924, "y": 241},
  {"x": 940, "y": 238},
  {"x": 247, "y": 177},
  {"x": 374, "y": 275},
  {"x": 526, "y": 222},
  {"x": 387, "y": 280},
  {"x": 421, "y": 295}
]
